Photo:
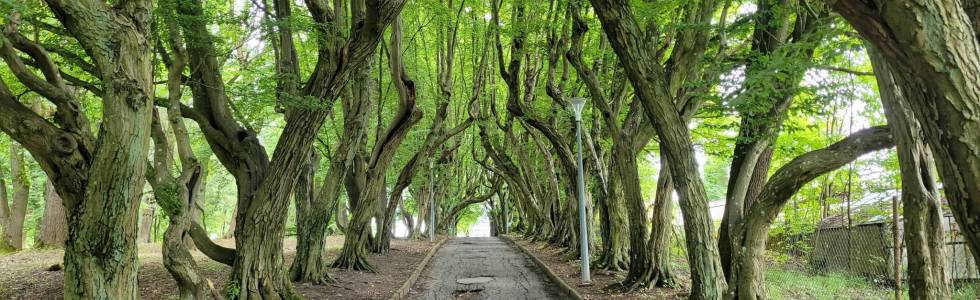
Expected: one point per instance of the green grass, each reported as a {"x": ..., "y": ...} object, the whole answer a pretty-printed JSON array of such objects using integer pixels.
[{"x": 783, "y": 284}]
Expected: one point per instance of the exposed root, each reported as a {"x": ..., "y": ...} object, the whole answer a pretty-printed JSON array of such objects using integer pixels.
[{"x": 351, "y": 261}]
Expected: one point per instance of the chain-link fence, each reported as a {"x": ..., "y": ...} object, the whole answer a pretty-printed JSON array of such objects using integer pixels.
[{"x": 865, "y": 250}]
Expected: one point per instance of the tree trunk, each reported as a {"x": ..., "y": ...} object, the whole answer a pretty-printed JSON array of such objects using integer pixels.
[
  {"x": 624, "y": 34},
  {"x": 354, "y": 253},
  {"x": 751, "y": 241},
  {"x": 640, "y": 259},
  {"x": 923, "y": 211},
  {"x": 13, "y": 227},
  {"x": 147, "y": 218},
  {"x": 933, "y": 59},
  {"x": 53, "y": 229},
  {"x": 100, "y": 254},
  {"x": 663, "y": 229},
  {"x": 309, "y": 264}
]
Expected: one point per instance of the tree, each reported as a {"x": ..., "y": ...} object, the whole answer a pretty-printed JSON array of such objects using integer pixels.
[
  {"x": 264, "y": 184},
  {"x": 777, "y": 64},
  {"x": 930, "y": 60},
  {"x": 354, "y": 253},
  {"x": 12, "y": 215},
  {"x": 53, "y": 229},
  {"x": 924, "y": 236},
  {"x": 750, "y": 242},
  {"x": 100, "y": 183},
  {"x": 652, "y": 90},
  {"x": 438, "y": 134}
]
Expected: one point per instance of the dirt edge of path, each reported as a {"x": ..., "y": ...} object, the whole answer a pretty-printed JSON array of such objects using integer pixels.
[
  {"x": 566, "y": 288},
  {"x": 567, "y": 271}
]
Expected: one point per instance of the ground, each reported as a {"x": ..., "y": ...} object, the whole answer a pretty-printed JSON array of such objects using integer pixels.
[
  {"x": 483, "y": 268},
  {"x": 568, "y": 271},
  {"x": 781, "y": 283},
  {"x": 25, "y": 274}
]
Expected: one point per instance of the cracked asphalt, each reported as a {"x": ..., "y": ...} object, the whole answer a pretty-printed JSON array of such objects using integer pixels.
[{"x": 472, "y": 260}]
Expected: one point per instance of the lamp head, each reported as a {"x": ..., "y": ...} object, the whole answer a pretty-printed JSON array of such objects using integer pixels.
[{"x": 577, "y": 104}]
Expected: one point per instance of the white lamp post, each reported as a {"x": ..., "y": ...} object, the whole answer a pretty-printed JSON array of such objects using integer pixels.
[{"x": 577, "y": 104}]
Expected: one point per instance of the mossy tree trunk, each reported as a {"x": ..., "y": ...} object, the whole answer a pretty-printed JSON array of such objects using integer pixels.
[
  {"x": 258, "y": 270},
  {"x": 100, "y": 183}
]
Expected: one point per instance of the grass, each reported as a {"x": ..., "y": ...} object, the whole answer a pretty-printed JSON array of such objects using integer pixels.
[{"x": 784, "y": 284}]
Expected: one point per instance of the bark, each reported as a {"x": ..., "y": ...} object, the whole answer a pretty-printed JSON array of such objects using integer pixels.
[
  {"x": 13, "y": 225},
  {"x": 354, "y": 253},
  {"x": 750, "y": 244},
  {"x": 100, "y": 182},
  {"x": 408, "y": 220},
  {"x": 663, "y": 230},
  {"x": 4, "y": 204},
  {"x": 264, "y": 184},
  {"x": 213, "y": 251},
  {"x": 435, "y": 137},
  {"x": 313, "y": 265},
  {"x": 924, "y": 239},
  {"x": 764, "y": 102},
  {"x": 309, "y": 264},
  {"x": 932, "y": 51},
  {"x": 656, "y": 92},
  {"x": 147, "y": 218},
  {"x": 230, "y": 233},
  {"x": 53, "y": 229}
]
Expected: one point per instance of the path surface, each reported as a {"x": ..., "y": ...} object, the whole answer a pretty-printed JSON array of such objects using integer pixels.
[{"x": 483, "y": 268}]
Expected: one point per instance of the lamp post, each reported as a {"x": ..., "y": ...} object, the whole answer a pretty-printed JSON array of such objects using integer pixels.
[
  {"x": 577, "y": 104},
  {"x": 432, "y": 201}
]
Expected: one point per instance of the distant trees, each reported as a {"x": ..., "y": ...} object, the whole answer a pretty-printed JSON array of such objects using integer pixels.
[{"x": 14, "y": 210}]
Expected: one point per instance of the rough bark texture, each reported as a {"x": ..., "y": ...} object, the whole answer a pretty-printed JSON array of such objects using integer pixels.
[
  {"x": 648, "y": 80},
  {"x": 934, "y": 56},
  {"x": 750, "y": 243},
  {"x": 436, "y": 135},
  {"x": 614, "y": 209},
  {"x": 924, "y": 241},
  {"x": 354, "y": 253},
  {"x": 175, "y": 197},
  {"x": 100, "y": 183},
  {"x": 264, "y": 184},
  {"x": 309, "y": 264},
  {"x": 663, "y": 229},
  {"x": 53, "y": 229}
]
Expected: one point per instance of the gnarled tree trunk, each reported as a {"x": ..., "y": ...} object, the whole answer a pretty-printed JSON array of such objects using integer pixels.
[
  {"x": 923, "y": 211},
  {"x": 750, "y": 242},
  {"x": 933, "y": 53}
]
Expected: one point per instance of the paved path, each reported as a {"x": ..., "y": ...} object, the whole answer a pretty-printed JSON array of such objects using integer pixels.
[{"x": 483, "y": 268}]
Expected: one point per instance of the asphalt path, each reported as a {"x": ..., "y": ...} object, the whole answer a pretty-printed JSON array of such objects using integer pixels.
[{"x": 483, "y": 268}]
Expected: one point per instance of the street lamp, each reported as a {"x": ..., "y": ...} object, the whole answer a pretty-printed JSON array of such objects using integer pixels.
[
  {"x": 432, "y": 201},
  {"x": 577, "y": 104}
]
